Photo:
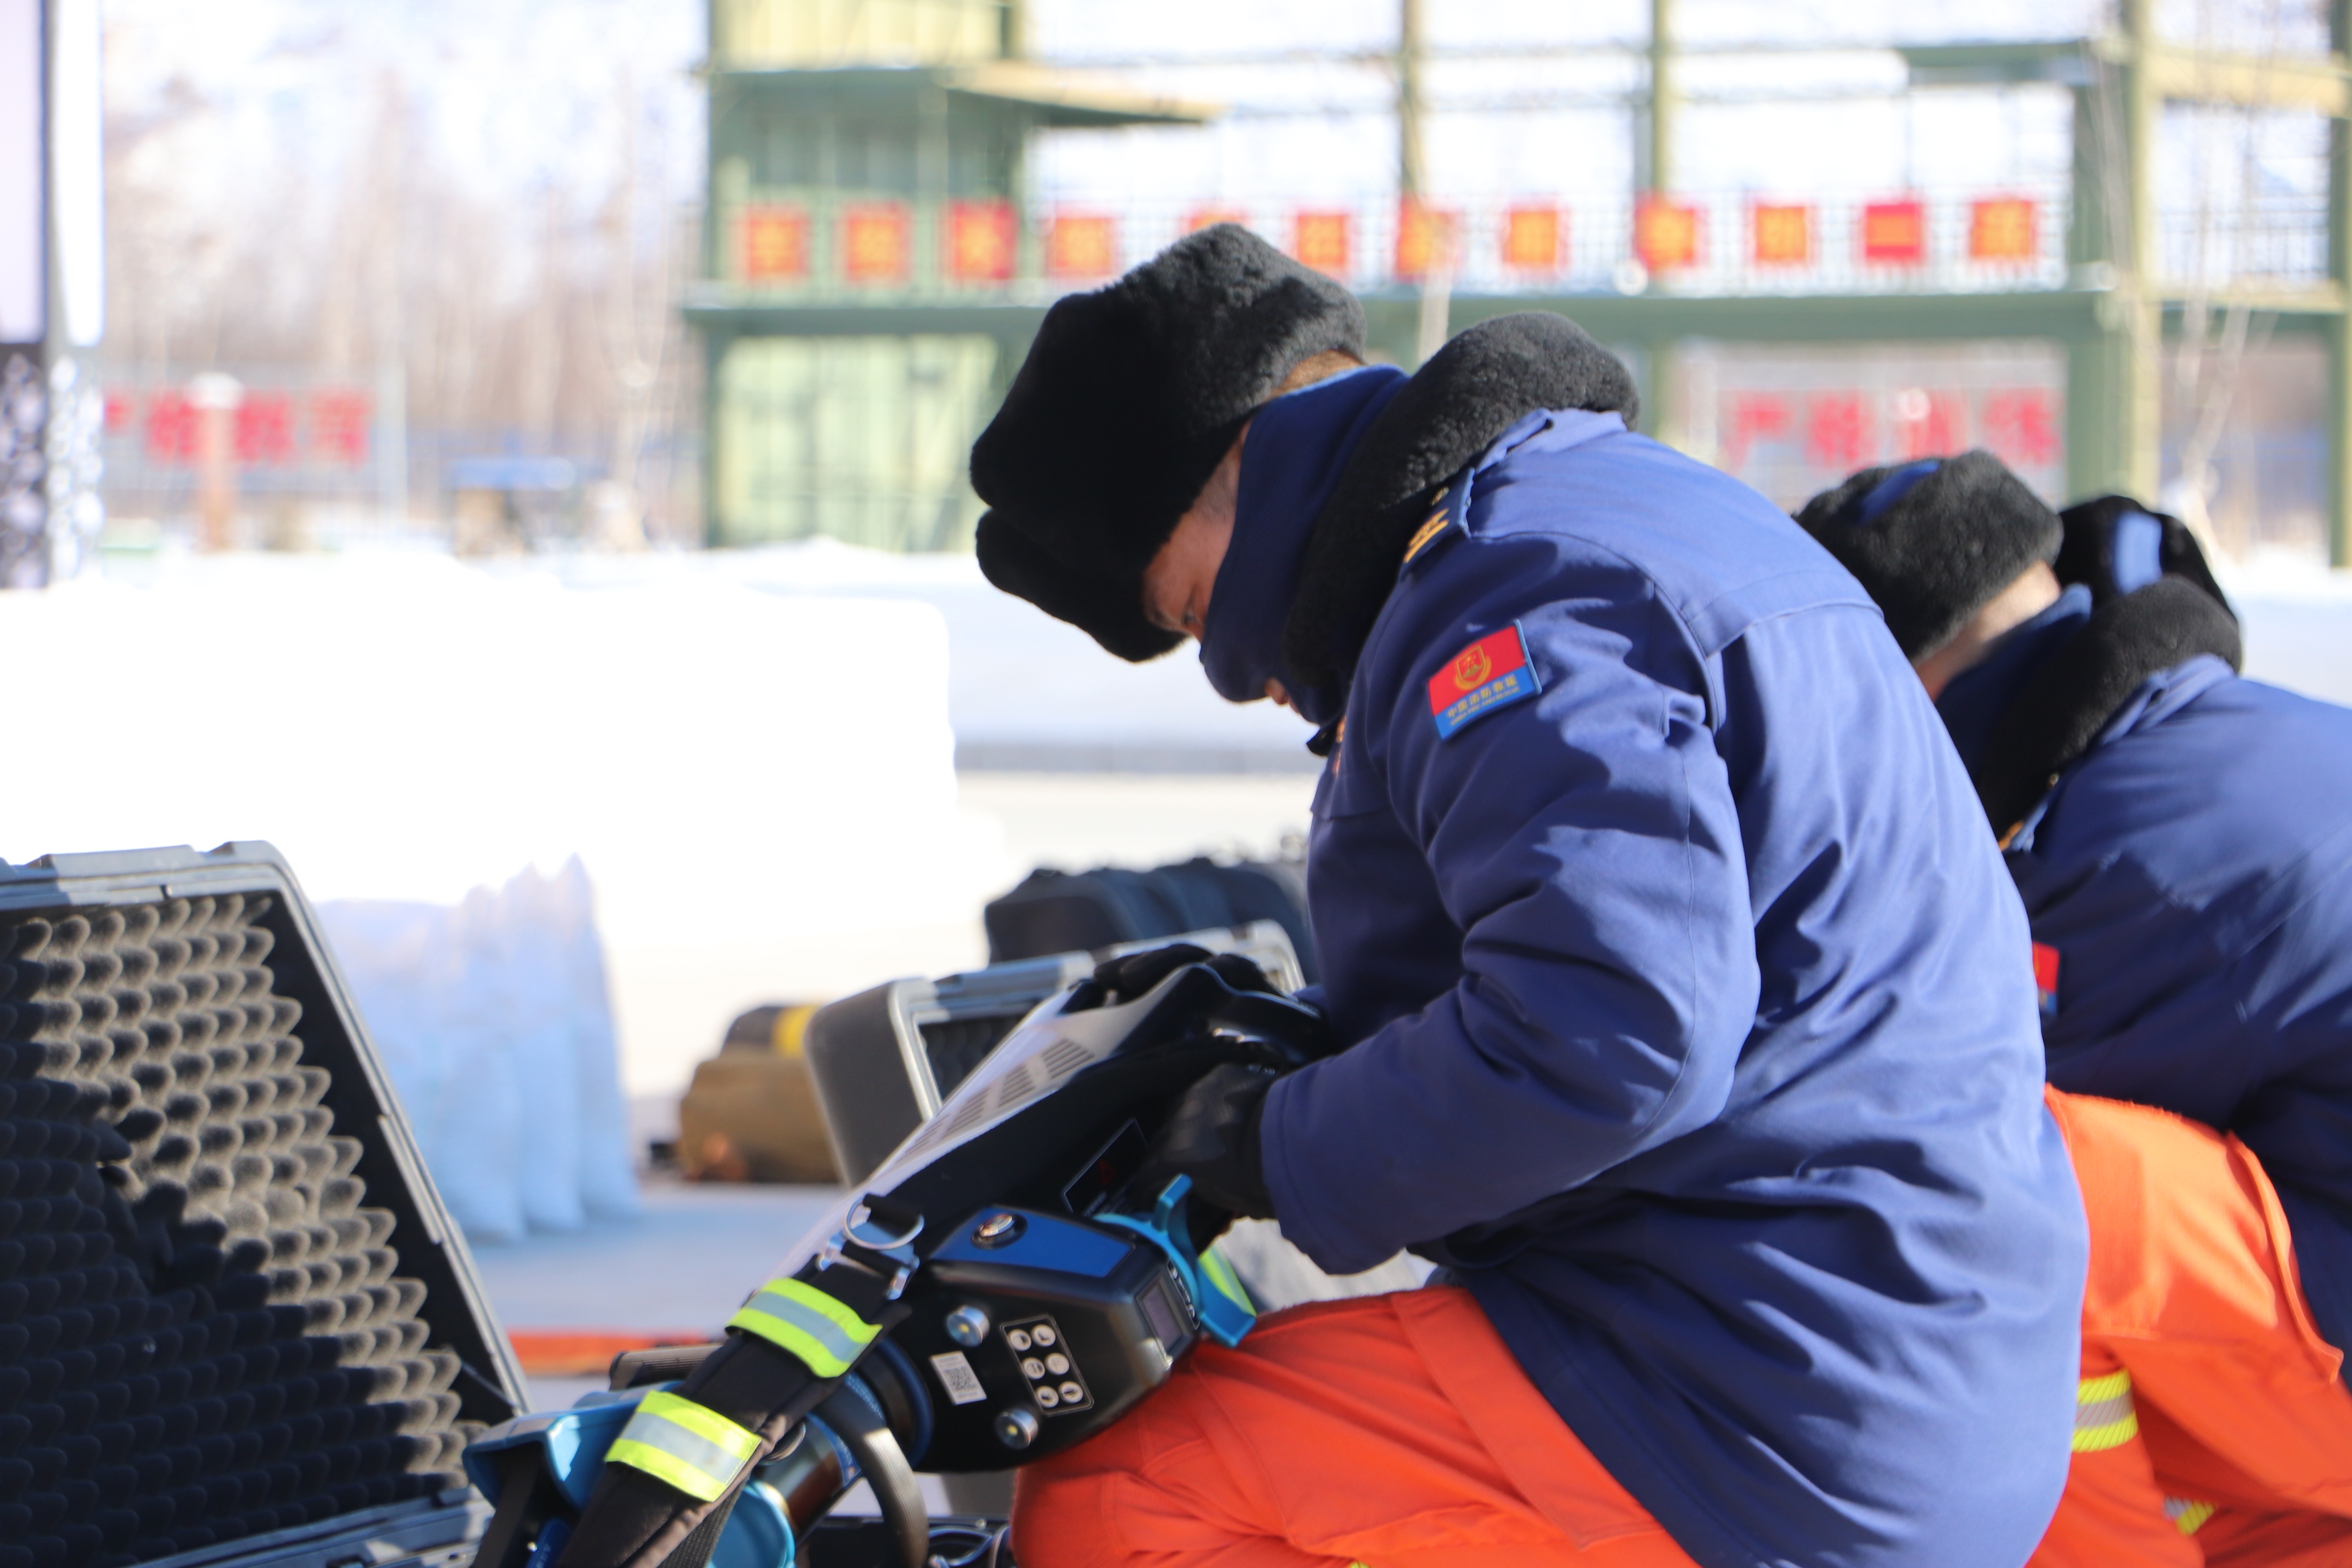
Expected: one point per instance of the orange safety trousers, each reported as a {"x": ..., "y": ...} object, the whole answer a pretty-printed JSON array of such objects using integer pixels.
[
  {"x": 2213, "y": 1426},
  {"x": 1398, "y": 1431}
]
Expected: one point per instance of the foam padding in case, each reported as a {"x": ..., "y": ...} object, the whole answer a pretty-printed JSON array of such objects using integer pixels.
[{"x": 208, "y": 1329}]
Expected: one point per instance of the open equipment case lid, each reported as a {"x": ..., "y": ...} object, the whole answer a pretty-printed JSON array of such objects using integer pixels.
[{"x": 237, "y": 1328}]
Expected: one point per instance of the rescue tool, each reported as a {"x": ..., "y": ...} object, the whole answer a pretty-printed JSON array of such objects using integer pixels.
[{"x": 1041, "y": 1280}]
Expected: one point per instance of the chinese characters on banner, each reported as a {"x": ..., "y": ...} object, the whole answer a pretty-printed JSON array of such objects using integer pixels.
[
  {"x": 1426, "y": 238},
  {"x": 1665, "y": 234},
  {"x": 874, "y": 243},
  {"x": 2002, "y": 229},
  {"x": 775, "y": 244},
  {"x": 321, "y": 427},
  {"x": 1082, "y": 245},
  {"x": 1793, "y": 421},
  {"x": 1894, "y": 234},
  {"x": 1322, "y": 240},
  {"x": 1525, "y": 240},
  {"x": 1783, "y": 234},
  {"x": 1535, "y": 239},
  {"x": 983, "y": 241}
]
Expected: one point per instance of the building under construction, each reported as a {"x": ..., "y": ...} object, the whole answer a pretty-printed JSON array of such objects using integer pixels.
[{"x": 876, "y": 261}]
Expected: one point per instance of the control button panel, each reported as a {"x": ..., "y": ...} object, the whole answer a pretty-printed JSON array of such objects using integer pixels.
[{"x": 1054, "y": 1381}]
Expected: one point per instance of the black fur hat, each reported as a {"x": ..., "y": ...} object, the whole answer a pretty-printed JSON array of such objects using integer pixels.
[
  {"x": 1935, "y": 541},
  {"x": 2096, "y": 553},
  {"x": 1129, "y": 398}
]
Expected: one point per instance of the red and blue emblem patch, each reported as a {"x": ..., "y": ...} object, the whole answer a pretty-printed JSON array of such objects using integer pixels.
[
  {"x": 1491, "y": 673},
  {"x": 2045, "y": 978}
]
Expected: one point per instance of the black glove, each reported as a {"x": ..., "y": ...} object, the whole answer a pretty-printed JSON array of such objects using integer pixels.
[
  {"x": 1130, "y": 976},
  {"x": 1212, "y": 1138}
]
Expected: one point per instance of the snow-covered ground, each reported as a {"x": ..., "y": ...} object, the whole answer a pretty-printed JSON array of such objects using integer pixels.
[
  {"x": 762, "y": 789},
  {"x": 1023, "y": 688},
  {"x": 753, "y": 755}
]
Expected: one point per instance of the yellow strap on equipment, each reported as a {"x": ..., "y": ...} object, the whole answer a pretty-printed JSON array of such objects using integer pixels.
[
  {"x": 807, "y": 1322},
  {"x": 698, "y": 1451},
  {"x": 2103, "y": 1417},
  {"x": 2187, "y": 1514},
  {"x": 1218, "y": 1270}
]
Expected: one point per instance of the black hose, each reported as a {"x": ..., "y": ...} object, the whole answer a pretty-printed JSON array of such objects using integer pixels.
[{"x": 858, "y": 1422}]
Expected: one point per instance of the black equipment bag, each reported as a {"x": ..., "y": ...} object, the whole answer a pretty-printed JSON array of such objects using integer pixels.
[
  {"x": 237, "y": 1329},
  {"x": 1064, "y": 911}
]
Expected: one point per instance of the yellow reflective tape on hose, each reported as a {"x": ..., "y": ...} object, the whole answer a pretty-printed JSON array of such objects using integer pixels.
[
  {"x": 698, "y": 1451},
  {"x": 808, "y": 1324},
  {"x": 2104, "y": 1416}
]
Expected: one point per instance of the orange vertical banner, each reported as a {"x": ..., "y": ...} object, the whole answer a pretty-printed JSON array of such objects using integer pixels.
[
  {"x": 1894, "y": 234},
  {"x": 2003, "y": 229},
  {"x": 874, "y": 243},
  {"x": 775, "y": 243},
  {"x": 1782, "y": 234},
  {"x": 1323, "y": 240},
  {"x": 983, "y": 242},
  {"x": 1082, "y": 245},
  {"x": 1535, "y": 239},
  {"x": 1665, "y": 234}
]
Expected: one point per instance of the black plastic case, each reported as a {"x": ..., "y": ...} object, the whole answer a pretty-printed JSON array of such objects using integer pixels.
[{"x": 237, "y": 1329}]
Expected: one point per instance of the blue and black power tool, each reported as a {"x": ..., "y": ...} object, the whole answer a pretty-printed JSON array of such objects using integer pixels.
[{"x": 1038, "y": 1278}]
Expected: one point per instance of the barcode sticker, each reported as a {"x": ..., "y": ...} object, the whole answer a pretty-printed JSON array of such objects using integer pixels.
[{"x": 957, "y": 1377}]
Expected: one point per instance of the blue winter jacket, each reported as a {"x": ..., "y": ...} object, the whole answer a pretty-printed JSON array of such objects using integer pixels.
[
  {"x": 1691, "y": 1017},
  {"x": 2193, "y": 875}
]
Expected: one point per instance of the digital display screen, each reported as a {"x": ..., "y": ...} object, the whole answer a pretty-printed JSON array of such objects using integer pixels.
[
  {"x": 1112, "y": 1168},
  {"x": 1161, "y": 1318}
]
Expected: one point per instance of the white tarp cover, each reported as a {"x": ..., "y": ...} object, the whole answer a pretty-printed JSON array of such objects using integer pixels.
[{"x": 493, "y": 1018}]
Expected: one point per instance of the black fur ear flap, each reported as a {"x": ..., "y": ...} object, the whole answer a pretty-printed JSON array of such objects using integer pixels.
[
  {"x": 1106, "y": 608},
  {"x": 2089, "y": 555},
  {"x": 2069, "y": 701}
]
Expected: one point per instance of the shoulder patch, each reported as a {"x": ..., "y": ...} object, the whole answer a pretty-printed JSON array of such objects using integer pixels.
[{"x": 1491, "y": 673}]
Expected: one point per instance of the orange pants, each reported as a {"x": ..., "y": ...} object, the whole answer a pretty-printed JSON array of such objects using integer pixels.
[
  {"x": 2216, "y": 1428},
  {"x": 1398, "y": 1431},
  {"x": 1393, "y": 1430}
]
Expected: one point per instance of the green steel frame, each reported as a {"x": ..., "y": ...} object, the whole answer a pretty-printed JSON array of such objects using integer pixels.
[{"x": 2113, "y": 320}]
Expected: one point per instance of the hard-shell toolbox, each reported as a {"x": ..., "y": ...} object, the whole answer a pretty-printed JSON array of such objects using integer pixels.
[{"x": 237, "y": 1327}]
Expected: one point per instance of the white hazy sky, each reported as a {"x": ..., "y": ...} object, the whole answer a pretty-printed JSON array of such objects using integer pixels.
[{"x": 518, "y": 96}]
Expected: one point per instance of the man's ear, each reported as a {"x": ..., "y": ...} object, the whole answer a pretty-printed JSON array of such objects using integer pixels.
[{"x": 1317, "y": 367}]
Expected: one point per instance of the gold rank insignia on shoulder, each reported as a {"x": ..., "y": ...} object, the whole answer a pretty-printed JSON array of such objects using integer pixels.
[{"x": 1428, "y": 530}]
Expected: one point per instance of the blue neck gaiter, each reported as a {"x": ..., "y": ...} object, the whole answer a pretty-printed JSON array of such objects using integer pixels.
[
  {"x": 1973, "y": 702},
  {"x": 1296, "y": 448}
]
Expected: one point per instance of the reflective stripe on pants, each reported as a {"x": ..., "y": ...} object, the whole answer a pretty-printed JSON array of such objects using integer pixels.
[{"x": 2103, "y": 1418}]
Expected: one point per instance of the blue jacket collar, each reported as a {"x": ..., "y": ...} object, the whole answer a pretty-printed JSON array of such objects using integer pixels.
[
  {"x": 1972, "y": 704},
  {"x": 1293, "y": 455}
]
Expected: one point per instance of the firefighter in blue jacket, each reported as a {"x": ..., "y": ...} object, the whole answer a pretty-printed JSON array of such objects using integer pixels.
[
  {"x": 1676, "y": 969},
  {"x": 2181, "y": 839}
]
